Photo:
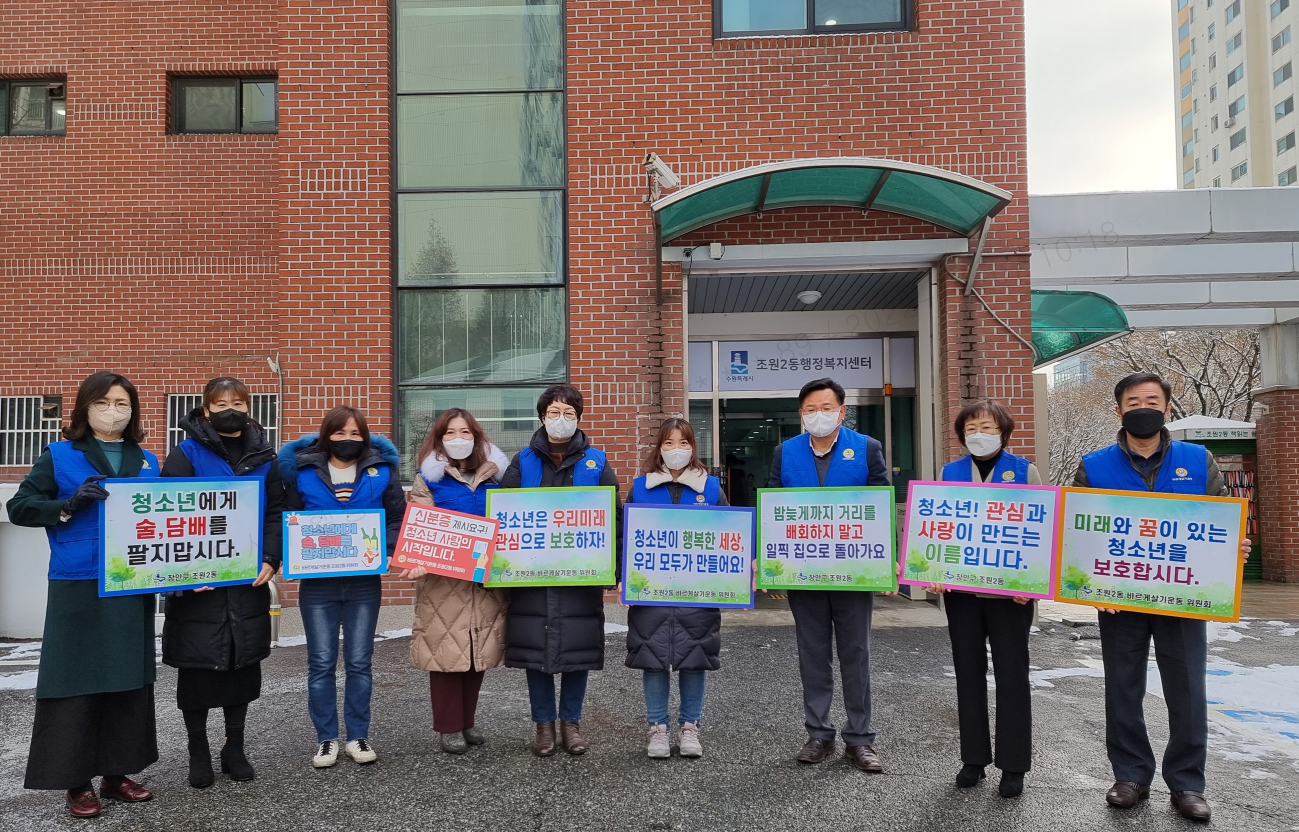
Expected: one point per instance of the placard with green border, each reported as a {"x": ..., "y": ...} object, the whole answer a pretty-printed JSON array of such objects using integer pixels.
[
  {"x": 687, "y": 555},
  {"x": 827, "y": 538},
  {"x": 1172, "y": 554},
  {"x": 553, "y": 536}
]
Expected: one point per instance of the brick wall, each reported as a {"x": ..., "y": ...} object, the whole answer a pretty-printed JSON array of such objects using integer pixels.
[{"x": 1278, "y": 483}]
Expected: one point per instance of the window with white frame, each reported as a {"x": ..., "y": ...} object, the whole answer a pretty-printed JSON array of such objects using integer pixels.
[
  {"x": 27, "y": 425},
  {"x": 264, "y": 409}
]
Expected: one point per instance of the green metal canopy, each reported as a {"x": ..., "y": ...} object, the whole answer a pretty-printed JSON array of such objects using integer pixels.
[
  {"x": 926, "y": 193},
  {"x": 1065, "y": 323}
]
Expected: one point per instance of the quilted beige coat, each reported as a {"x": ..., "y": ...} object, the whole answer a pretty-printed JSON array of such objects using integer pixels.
[{"x": 459, "y": 625}]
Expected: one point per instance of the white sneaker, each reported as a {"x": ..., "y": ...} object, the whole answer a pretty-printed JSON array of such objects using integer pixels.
[
  {"x": 690, "y": 745},
  {"x": 660, "y": 747},
  {"x": 326, "y": 754},
  {"x": 361, "y": 752}
]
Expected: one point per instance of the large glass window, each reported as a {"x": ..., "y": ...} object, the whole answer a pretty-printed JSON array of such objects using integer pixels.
[
  {"x": 507, "y": 414},
  {"x": 737, "y": 17},
  {"x": 450, "y": 239},
  {"x": 33, "y": 108},
  {"x": 482, "y": 335},
  {"x": 457, "y": 141},
  {"x": 481, "y": 45}
]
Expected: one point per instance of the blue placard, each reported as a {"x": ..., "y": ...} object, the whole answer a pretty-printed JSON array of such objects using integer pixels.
[
  {"x": 688, "y": 555},
  {"x": 335, "y": 543},
  {"x": 164, "y": 534}
]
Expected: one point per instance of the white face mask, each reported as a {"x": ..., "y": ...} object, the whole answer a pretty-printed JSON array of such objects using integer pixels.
[
  {"x": 821, "y": 423},
  {"x": 458, "y": 448},
  {"x": 561, "y": 429},
  {"x": 677, "y": 458},
  {"x": 982, "y": 444},
  {"x": 109, "y": 422}
]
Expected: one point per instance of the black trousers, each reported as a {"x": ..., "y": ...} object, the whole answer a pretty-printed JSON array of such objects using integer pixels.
[
  {"x": 974, "y": 623},
  {"x": 823, "y": 616},
  {"x": 75, "y": 738},
  {"x": 1181, "y": 653}
]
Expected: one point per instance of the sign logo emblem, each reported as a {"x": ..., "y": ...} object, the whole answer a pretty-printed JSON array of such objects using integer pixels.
[
  {"x": 1007, "y": 476},
  {"x": 590, "y": 463},
  {"x": 739, "y": 362},
  {"x": 849, "y": 453},
  {"x": 699, "y": 498},
  {"x": 374, "y": 472},
  {"x": 1181, "y": 472}
]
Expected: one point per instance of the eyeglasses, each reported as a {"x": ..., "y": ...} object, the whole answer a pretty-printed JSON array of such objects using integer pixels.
[
  {"x": 829, "y": 408},
  {"x": 104, "y": 407},
  {"x": 559, "y": 414}
]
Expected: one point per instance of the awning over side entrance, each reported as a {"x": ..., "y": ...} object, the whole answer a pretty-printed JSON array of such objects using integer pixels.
[
  {"x": 931, "y": 194},
  {"x": 1065, "y": 323}
]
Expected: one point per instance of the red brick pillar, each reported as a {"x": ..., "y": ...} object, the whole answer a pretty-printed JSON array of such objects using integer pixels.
[{"x": 1278, "y": 482}]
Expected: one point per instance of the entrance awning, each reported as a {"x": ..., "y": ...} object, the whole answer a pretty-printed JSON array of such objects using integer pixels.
[
  {"x": 1065, "y": 323},
  {"x": 926, "y": 193}
]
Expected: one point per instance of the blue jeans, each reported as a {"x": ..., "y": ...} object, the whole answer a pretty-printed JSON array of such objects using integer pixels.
[
  {"x": 328, "y": 604},
  {"x": 691, "y": 683},
  {"x": 541, "y": 695}
]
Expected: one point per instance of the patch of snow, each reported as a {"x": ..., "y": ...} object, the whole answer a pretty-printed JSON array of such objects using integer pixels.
[
  {"x": 610, "y": 627},
  {"x": 19, "y": 681}
]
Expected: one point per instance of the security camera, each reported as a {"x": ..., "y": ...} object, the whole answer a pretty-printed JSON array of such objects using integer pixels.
[{"x": 662, "y": 174}]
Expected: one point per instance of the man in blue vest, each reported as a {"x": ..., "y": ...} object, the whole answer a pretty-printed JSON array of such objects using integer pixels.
[
  {"x": 1145, "y": 458},
  {"x": 830, "y": 455}
]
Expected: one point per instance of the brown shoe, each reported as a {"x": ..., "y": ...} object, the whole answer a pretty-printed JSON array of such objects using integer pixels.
[
  {"x": 125, "y": 790},
  {"x": 573, "y": 742},
  {"x": 815, "y": 750},
  {"x": 83, "y": 803},
  {"x": 1125, "y": 794},
  {"x": 544, "y": 744},
  {"x": 864, "y": 757},
  {"x": 1192, "y": 805}
]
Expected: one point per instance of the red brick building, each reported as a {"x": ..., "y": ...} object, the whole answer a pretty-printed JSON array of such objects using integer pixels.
[{"x": 415, "y": 204}]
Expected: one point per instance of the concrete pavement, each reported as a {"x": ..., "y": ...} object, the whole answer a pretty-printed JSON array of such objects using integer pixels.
[{"x": 752, "y": 729}]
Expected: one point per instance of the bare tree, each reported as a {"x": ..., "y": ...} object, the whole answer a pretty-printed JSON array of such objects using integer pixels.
[
  {"x": 1213, "y": 372},
  {"x": 1080, "y": 419}
]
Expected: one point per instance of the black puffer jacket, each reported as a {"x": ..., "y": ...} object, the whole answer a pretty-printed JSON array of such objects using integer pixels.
[
  {"x": 556, "y": 629},
  {"x": 228, "y": 627},
  {"x": 674, "y": 638}
]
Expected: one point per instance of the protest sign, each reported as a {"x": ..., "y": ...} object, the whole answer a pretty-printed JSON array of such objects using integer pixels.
[
  {"x": 553, "y": 536},
  {"x": 1164, "y": 553},
  {"x": 162, "y": 535},
  {"x": 446, "y": 543},
  {"x": 336, "y": 543},
  {"x": 826, "y": 538},
  {"x": 984, "y": 537},
  {"x": 688, "y": 556}
]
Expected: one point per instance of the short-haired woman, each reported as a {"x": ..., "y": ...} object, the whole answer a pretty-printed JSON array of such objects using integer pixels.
[
  {"x": 94, "y": 690},
  {"x": 557, "y": 629},
  {"x": 217, "y": 637},
  {"x": 459, "y": 630},
  {"x": 976, "y": 620},
  {"x": 344, "y": 467},
  {"x": 685, "y": 639}
]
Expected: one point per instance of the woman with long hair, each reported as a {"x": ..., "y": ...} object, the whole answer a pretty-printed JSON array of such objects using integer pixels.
[
  {"x": 94, "y": 689},
  {"x": 459, "y": 629}
]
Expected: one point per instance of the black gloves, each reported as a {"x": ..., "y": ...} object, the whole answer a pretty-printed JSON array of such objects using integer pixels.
[{"x": 86, "y": 494}]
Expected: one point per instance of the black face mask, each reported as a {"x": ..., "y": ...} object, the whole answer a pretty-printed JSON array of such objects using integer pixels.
[
  {"x": 348, "y": 450},
  {"x": 228, "y": 421},
  {"x": 1144, "y": 422}
]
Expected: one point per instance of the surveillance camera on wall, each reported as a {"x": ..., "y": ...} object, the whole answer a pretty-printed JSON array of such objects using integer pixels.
[{"x": 662, "y": 174}]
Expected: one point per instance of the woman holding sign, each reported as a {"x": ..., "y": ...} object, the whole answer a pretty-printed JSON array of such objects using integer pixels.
[
  {"x": 94, "y": 690},
  {"x": 687, "y": 639},
  {"x": 218, "y": 637},
  {"x": 557, "y": 629},
  {"x": 343, "y": 468},
  {"x": 976, "y": 620},
  {"x": 459, "y": 630}
]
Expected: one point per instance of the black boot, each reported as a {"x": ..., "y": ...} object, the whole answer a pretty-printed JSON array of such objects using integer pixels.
[
  {"x": 233, "y": 760},
  {"x": 200, "y": 755}
]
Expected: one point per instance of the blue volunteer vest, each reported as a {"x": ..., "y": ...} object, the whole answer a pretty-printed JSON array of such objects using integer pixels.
[
  {"x": 206, "y": 463},
  {"x": 1009, "y": 468},
  {"x": 74, "y": 545},
  {"x": 587, "y": 471},
  {"x": 318, "y": 495},
  {"x": 1185, "y": 470},
  {"x": 663, "y": 494},
  {"x": 453, "y": 495},
  {"x": 847, "y": 468}
]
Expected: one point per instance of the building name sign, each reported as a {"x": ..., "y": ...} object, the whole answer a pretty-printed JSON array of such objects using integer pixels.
[
  {"x": 1219, "y": 433},
  {"x": 788, "y": 365}
]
